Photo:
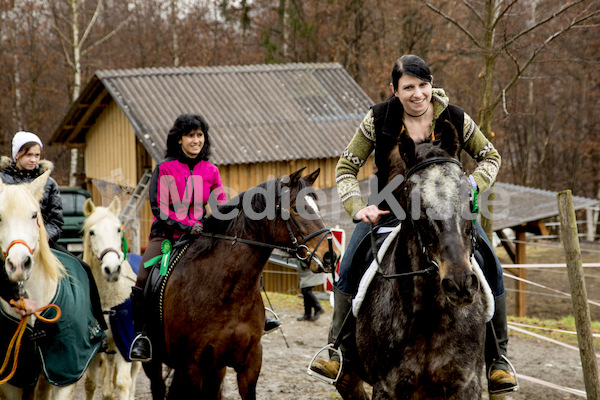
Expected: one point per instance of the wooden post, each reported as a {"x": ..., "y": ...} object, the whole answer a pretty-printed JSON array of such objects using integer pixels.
[
  {"x": 585, "y": 338},
  {"x": 521, "y": 258}
]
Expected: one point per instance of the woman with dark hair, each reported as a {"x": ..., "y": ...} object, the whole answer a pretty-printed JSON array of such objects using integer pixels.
[
  {"x": 420, "y": 110},
  {"x": 180, "y": 187}
]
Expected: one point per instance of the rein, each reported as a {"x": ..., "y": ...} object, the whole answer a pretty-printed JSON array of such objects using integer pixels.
[
  {"x": 15, "y": 342},
  {"x": 300, "y": 249}
]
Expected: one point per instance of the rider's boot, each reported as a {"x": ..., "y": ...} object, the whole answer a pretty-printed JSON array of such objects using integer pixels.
[
  {"x": 342, "y": 303},
  {"x": 271, "y": 324},
  {"x": 141, "y": 348},
  {"x": 500, "y": 377}
]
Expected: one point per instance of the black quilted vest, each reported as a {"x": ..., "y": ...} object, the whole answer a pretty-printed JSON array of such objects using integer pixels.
[{"x": 387, "y": 118}]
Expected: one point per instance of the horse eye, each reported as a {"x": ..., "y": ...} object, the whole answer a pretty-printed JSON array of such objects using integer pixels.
[
  {"x": 91, "y": 232},
  {"x": 34, "y": 216},
  {"x": 119, "y": 230}
]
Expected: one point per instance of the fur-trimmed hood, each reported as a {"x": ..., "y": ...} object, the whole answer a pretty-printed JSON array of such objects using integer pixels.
[{"x": 45, "y": 165}]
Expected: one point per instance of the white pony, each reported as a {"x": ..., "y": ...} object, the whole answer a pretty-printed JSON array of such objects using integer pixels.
[
  {"x": 102, "y": 250},
  {"x": 28, "y": 259}
]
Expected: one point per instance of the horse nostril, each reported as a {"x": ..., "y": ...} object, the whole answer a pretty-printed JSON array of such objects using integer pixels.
[
  {"x": 330, "y": 258},
  {"x": 28, "y": 264},
  {"x": 449, "y": 286},
  {"x": 107, "y": 270}
]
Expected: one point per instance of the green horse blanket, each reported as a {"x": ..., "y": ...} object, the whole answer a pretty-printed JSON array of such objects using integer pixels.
[{"x": 63, "y": 350}]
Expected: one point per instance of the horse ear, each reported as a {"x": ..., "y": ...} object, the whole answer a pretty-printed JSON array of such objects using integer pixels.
[
  {"x": 88, "y": 207},
  {"x": 292, "y": 179},
  {"x": 451, "y": 143},
  {"x": 313, "y": 177},
  {"x": 36, "y": 187},
  {"x": 115, "y": 206},
  {"x": 407, "y": 149}
]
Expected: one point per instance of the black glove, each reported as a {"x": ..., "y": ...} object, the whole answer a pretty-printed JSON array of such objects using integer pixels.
[{"x": 197, "y": 229}]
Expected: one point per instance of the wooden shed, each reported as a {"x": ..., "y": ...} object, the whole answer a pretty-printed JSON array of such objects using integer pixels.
[{"x": 265, "y": 121}]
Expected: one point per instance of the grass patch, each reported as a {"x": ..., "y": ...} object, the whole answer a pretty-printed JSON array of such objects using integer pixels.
[{"x": 564, "y": 324}]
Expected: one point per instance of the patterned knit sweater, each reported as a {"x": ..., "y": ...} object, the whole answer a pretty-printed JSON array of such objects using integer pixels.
[{"x": 363, "y": 143}]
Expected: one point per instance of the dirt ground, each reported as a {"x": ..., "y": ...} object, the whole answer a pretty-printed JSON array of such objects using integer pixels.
[{"x": 288, "y": 352}]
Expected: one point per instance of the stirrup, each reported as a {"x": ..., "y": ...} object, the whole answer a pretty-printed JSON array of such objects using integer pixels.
[
  {"x": 323, "y": 378},
  {"x": 276, "y": 319},
  {"x": 512, "y": 371},
  {"x": 141, "y": 337}
]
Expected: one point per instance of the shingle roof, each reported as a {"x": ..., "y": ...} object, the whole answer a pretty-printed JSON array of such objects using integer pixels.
[
  {"x": 522, "y": 204},
  {"x": 256, "y": 113}
]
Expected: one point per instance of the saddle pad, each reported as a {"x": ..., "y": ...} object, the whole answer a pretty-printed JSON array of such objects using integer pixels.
[
  {"x": 121, "y": 325},
  {"x": 369, "y": 274},
  {"x": 63, "y": 350}
]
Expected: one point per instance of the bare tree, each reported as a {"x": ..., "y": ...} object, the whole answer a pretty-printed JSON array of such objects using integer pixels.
[{"x": 480, "y": 22}]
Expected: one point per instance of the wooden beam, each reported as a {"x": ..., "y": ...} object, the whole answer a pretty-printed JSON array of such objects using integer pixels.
[{"x": 521, "y": 258}]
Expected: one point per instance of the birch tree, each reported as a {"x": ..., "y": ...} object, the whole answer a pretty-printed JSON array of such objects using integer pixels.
[{"x": 73, "y": 26}]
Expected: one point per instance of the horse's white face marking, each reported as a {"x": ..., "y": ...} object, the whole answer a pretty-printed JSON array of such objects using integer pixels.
[
  {"x": 19, "y": 231},
  {"x": 312, "y": 204},
  {"x": 105, "y": 234}
]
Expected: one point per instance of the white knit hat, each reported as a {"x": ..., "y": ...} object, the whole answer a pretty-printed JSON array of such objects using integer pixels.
[{"x": 20, "y": 139}]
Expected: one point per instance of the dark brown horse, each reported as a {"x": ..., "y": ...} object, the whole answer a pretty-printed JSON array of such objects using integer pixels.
[
  {"x": 213, "y": 310},
  {"x": 420, "y": 331}
]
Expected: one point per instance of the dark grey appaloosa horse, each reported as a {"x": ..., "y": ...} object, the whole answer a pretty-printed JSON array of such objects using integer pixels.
[{"x": 420, "y": 331}]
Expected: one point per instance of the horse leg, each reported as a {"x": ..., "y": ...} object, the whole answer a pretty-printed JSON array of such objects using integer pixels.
[
  {"x": 248, "y": 376},
  {"x": 135, "y": 369},
  {"x": 351, "y": 387},
  {"x": 122, "y": 374},
  {"x": 153, "y": 370},
  {"x": 108, "y": 372},
  {"x": 91, "y": 376}
]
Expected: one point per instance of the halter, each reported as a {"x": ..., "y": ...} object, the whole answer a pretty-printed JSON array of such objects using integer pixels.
[
  {"x": 432, "y": 264},
  {"x": 19, "y": 241},
  {"x": 106, "y": 251},
  {"x": 299, "y": 250}
]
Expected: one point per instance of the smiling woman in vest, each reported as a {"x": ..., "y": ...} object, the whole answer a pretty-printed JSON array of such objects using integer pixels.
[{"x": 419, "y": 109}]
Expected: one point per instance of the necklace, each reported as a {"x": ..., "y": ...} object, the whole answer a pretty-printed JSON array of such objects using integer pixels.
[{"x": 417, "y": 116}]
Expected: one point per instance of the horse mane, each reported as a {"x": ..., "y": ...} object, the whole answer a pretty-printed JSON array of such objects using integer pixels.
[
  {"x": 52, "y": 266},
  {"x": 242, "y": 223}
]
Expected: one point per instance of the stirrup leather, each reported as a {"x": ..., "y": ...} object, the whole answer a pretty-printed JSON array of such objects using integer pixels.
[
  {"x": 512, "y": 371},
  {"x": 324, "y": 378},
  {"x": 141, "y": 337}
]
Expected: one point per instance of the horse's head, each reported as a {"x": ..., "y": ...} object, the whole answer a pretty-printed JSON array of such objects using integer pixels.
[
  {"x": 22, "y": 232},
  {"x": 304, "y": 223},
  {"x": 436, "y": 201},
  {"x": 102, "y": 238}
]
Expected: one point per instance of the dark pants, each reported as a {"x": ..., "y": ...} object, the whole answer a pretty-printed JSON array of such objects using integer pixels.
[
  {"x": 310, "y": 301},
  {"x": 484, "y": 254},
  {"x": 152, "y": 250}
]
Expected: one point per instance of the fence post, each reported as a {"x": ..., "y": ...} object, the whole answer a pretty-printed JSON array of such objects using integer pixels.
[{"x": 585, "y": 338}]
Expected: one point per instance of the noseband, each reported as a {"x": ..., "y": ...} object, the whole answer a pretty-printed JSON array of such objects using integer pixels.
[
  {"x": 106, "y": 251},
  {"x": 19, "y": 241}
]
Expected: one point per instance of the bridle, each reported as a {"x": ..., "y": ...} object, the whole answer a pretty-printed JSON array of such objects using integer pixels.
[
  {"x": 432, "y": 265},
  {"x": 299, "y": 250}
]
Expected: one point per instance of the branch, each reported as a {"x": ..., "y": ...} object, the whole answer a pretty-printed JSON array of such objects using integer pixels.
[
  {"x": 501, "y": 15},
  {"x": 538, "y": 50},
  {"x": 548, "y": 19},
  {"x": 89, "y": 26},
  {"x": 474, "y": 11},
  {"x": 451, "y": 20},
  {"x": 106, "y": 37}
]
